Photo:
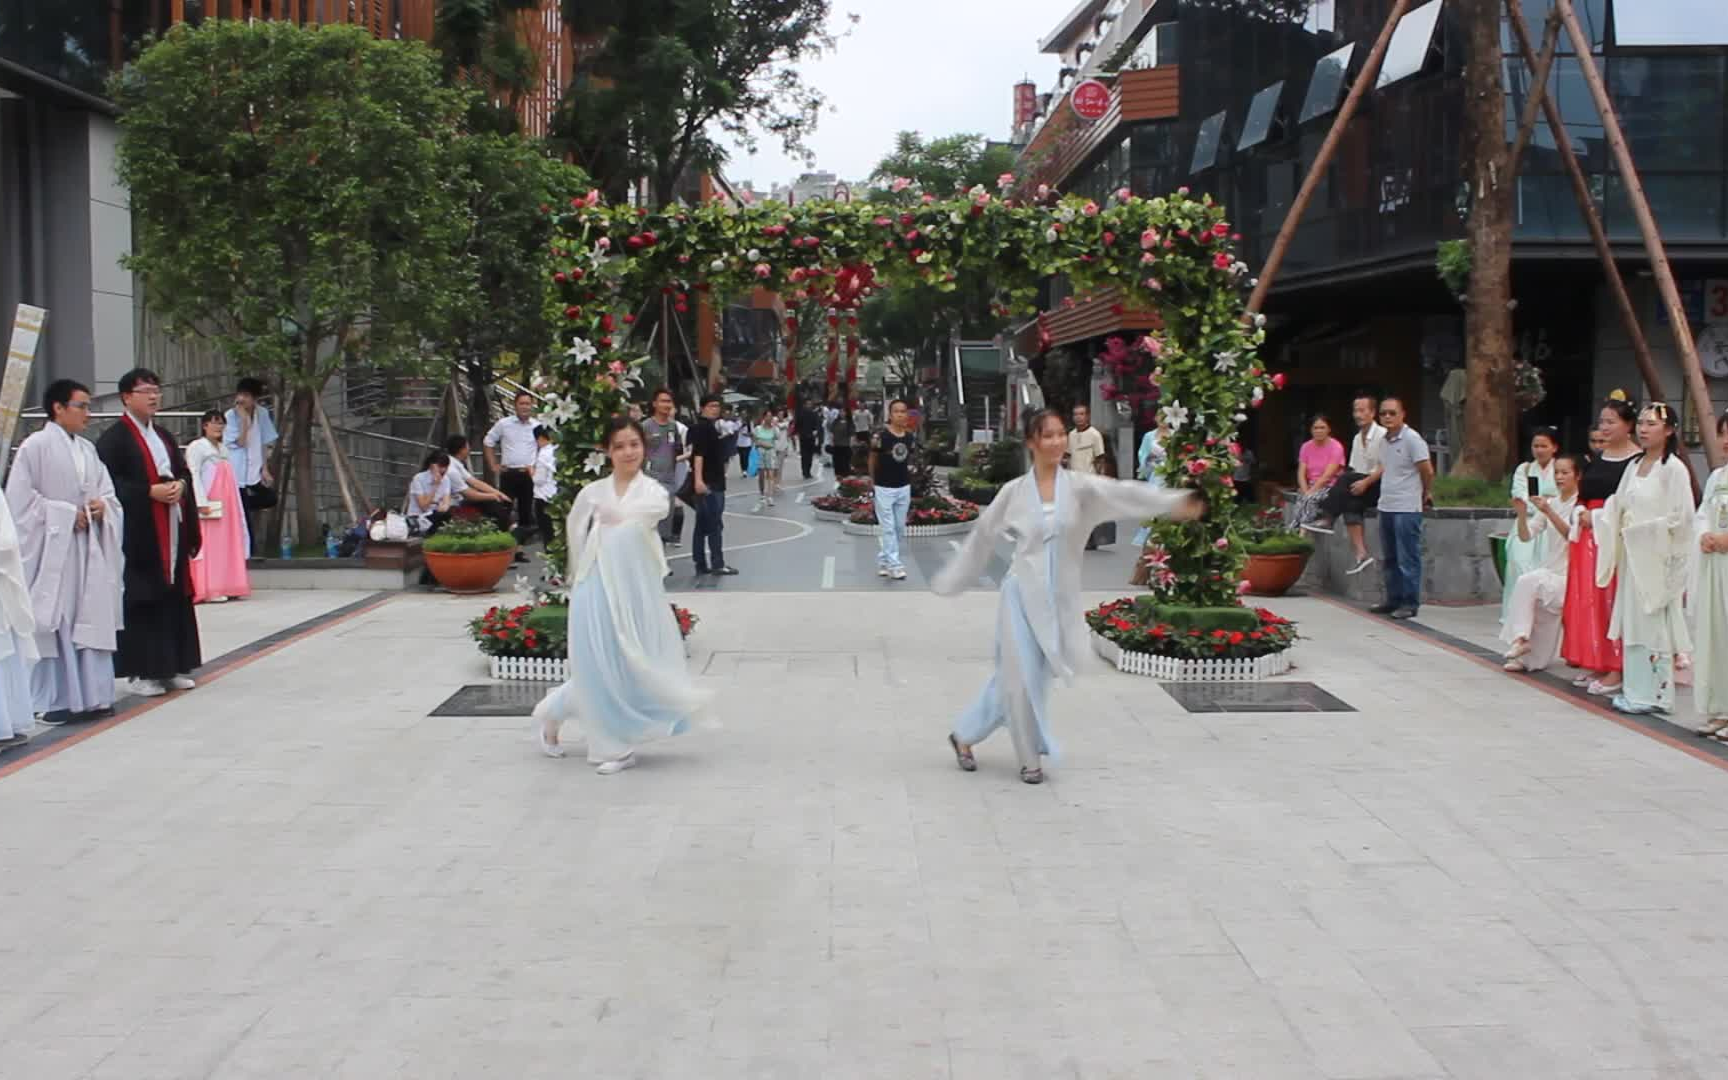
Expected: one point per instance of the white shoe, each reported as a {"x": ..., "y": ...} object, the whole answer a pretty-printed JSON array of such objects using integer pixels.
[
  {"x": 607, "y": 768},
  {"x": 542, "y": 716},
  {"x": 218, "y": 600},
  {"x": 1361, "y": 565},
  {"x": 898, "y": 573},
  {"x": 181, "y": 682},
  {"x": 148, "y": 687},
  {"x": 881, "y": 571}
]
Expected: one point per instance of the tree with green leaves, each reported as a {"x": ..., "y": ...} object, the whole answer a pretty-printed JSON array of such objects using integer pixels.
[
  {"x": 940, "y": 166},
  {"x": 483, "y": 48},
  {"x": 667, "y": 74},
  {"x": 295, "y": 200}
]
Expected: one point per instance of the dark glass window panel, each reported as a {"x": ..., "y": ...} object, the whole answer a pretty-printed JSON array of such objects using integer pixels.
[
  {"x": 1640, "y": 23},
  {"x": 1570, "y": 93},
  {"x": 1206, "y": 143},
  {"x": 1326, "y": 87},
  {"x": 1546, "y": 209},
  {"x": 1411, "y": 43},
  {"x": 1592, "y": 14},
  {"x": 1686, "y": 206},
  {"x": 1671, "y": 108},
  {"x": 1262, "y": 112}
]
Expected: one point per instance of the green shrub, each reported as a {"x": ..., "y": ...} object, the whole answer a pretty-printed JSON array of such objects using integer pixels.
[
  {"x": 551, "y": 620},
  {"x": 1281, "y": 544},
  {"x": 1005, "y": 460},
  {"x": 469, "y": 538},
  {"x": 1471, "y": 491},
  {"x": 1202, "y": 619},
  {"x": 969, "y": 485}
]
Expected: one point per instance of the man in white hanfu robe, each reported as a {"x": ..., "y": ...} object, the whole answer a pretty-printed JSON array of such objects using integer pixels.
[{"x": 69, "y": 525}]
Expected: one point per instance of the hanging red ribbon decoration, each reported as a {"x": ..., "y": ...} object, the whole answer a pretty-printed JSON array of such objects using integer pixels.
[
  {"x": 833, "y": 351},
  {"x": 852, "y": 361},
  {"x": 792, "y": 361}
]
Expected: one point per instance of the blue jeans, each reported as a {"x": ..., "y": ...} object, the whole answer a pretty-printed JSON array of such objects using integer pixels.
[
  {"x": 892, "y": 506},
  {"x": 1401, "y": 548},
  {"x": 710, "y": 523}
]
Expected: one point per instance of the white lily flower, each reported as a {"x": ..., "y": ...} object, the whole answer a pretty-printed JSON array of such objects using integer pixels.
[
  {"x": 955, "y": 217},
  {"x": 594, "y": 462},
  {"x": 1174, "y": 415},
  {"x": 1051, "y": 235},
  {"x": 1226, "y": 361},
  {"x": 753, "y": 255},
  {"x": 581, "y": 351}
]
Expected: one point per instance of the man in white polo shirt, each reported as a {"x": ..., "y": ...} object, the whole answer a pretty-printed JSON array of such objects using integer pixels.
[
  {"x": 1359, "y": 487},
  {"x": 1406, "y": 480},
  {"x": 511, "y": 451}
]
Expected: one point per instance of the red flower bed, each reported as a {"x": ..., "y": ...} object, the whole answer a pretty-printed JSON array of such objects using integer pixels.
[
  {"x": 929, "y": 510},
  {"x": 855, "y": 487},
  {"x": 1127, "y": 625},
  {"x": 842, "y": 504}
]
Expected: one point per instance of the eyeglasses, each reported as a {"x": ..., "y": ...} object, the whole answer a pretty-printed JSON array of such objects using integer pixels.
[
  {"x": 84, "y": 405},
  {"x": 146, "y": 391}
]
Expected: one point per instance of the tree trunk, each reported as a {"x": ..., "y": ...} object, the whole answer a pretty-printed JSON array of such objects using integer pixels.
[
  {"x": 1491, "y": 410},
  {"x": 479, "y": 402},
  {"x": 306, "y": 521}
]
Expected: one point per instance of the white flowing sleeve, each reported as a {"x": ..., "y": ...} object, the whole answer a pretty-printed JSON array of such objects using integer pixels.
[
  {"x": 1103, "y": 499},
  {"x": 963, "y": 569},
  {"x": 197, "y": 456},
  {"x": 576, "y": 526}
]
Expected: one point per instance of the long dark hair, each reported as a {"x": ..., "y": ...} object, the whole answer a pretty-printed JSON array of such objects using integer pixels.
[
  {"x": 209, "y": 415},
  {"x": 622, "y": 422},
  {"x": 1671, "y": 446}
]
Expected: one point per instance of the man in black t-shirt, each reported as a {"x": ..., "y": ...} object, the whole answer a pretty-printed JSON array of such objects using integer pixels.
[
  {"x": 709, "y": 455},
  {"x": 891, "y": 470},
  {"x": 807, "y": 422}
]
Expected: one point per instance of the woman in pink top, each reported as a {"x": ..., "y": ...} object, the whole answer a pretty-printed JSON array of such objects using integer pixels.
[{"x": 1319, "y": 462}]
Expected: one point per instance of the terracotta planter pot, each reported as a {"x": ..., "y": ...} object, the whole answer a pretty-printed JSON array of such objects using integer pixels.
[
  {"x": 470, "y": 573},
  {"x": 1272, "y": 575}
]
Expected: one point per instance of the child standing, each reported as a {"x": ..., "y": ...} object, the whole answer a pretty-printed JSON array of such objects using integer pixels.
[
  {"x": 545, "y": 481},
  {"x": 628, "y": 680},
  {"x": 1040, "y": 629}
]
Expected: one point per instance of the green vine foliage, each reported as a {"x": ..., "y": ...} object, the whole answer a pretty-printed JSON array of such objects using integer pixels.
[
  {"x": 1452, "y": 262},
  {"x": 1173, "y": 255}
]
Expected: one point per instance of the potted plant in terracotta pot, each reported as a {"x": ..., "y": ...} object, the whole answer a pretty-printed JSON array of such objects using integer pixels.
[
  {"x": 1277, "y": 554},
  {"x": 469, "y": 556}
]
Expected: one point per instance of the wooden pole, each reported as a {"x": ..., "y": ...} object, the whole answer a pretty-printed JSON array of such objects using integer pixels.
[
  {"x": 1538, "y": 90},
  {"x": 1690, "y": 368},
  {"x": 1358, "y": 90},
  {"x": 338, "y": 461},
  {"x": 1592, "y": 220}
]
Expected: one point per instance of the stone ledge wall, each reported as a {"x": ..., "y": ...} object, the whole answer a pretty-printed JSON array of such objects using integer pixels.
[{"x": 1457, "y": 559}]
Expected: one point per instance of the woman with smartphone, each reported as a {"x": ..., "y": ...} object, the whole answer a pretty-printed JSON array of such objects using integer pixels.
[{"x": 1532, "y": 480}]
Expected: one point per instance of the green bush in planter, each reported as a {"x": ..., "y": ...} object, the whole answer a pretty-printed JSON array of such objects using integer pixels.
[
  {"x": 550, "y": 620},
  {"x": 1203, "y": 619},
  {"x": 468, "y": 538},
  {"x": 1281, "y": 544},
  {"x": 967, "y": 484},
  {"x": 1006, "y": 459}
]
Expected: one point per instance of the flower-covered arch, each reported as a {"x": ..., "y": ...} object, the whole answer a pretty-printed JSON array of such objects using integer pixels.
[{"x": 1173, "y": 255}]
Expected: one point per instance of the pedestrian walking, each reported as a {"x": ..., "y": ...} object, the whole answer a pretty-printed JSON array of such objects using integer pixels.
[
  {"x": 765, "y": 438},
  {"x": 158, "y": 646},
  {"x": 745, "y": 443},
  {"x": 807, "y": 426},
  {"x": 69, "y": 525},
  {"x": 510, "y": 454},
  {"x": 629, "y": 682},
  {"x": 1708, "y": 597},
  {"x": 1589, "y": 605},
  {"x": 1406, "y": 480},
  {"x": 1645, "y": 540},
  {"x": 708, "y": 465},
  {"x": 219, "y": 571},
  {"x": 891, "y": 451},
  {"x": 1040, "y": 627},
  {"x": 667, "y": 458},
  {"x": 1530, "y": 619}
]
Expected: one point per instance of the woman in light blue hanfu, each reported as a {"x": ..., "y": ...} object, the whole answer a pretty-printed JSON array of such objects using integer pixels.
[
  {"x": 1040, "y": 626},
  {"x": 1523, "y": 556},
  {"x": 628, "y": 680},
  {"x": 1151, "y": 459}
]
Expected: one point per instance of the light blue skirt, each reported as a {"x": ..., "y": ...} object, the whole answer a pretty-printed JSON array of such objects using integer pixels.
[
  {"x": 16, "y": 714},
  {"x": 1022, "y": 677},
  {"x": 624, "y": 698}
]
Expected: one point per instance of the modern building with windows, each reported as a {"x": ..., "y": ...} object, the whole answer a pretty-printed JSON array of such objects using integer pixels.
[{"x": 1234, "y": 97}]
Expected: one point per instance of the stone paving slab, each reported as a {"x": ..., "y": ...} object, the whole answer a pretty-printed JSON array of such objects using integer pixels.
[{"x": 296, "y": 871}]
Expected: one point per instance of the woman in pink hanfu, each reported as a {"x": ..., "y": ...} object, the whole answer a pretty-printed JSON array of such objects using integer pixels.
[{"x": 219, "y": 570}]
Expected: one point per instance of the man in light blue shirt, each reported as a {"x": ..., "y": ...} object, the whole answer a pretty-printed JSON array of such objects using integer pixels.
[
  {"x": 1406, "y": 482},
  {"x": 249, "y": 435}
]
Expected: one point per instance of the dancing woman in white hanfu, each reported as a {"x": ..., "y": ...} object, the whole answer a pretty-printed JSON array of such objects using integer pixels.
[
  {"x": 1644, "y": 536},
  {"x": 1040, "y": 627},
  {"x": 628, "y": 680},
  {"x": 1708, "y": 598}
]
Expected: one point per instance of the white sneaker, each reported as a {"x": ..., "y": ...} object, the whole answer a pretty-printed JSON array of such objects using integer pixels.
[
  {"x": 607, "y": 768},
  {"x": 218, "y": 600},
  {"x": 1364, "y": 563},
  {"x": 148, "y": 687},
  {"x": 881, "y": 571},
  {"x": 898, "y": 573},
  {"x": 181, "y": 682}
]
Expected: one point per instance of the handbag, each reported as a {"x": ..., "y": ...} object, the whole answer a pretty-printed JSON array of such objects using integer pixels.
[
  {"x": 210, "y": 511},
  {"x": 755, "y": 465},
  {"x": 260, "y": 496},
  {"x": 687, "y": 490}
]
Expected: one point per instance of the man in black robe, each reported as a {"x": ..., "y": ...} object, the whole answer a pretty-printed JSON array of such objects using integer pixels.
[{"x": 158, "y": 647}]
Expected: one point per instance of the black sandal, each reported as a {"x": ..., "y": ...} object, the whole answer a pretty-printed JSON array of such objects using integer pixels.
[
  {"x": 963, "y": 758},
  {"x": 1029, "y": 775}
]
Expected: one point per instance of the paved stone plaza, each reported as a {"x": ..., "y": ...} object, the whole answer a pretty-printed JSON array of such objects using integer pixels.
[{"x": 296, "y": 871}]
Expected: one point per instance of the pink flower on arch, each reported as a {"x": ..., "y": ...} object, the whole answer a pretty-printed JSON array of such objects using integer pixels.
[
  {"x": 763, "y": 270},
  {"x": 1198, "y": 466},
  {"x": 1221, "y": 261},
  {"x": 1151, "y": 345},
  {"x": 1005, "y": 181},
  {"x": 900, "y": 184},
  {"x": 1090, "y": 209},
  {"x": 1149, "y": 239},
  {"x": 1222, "y": 543}
]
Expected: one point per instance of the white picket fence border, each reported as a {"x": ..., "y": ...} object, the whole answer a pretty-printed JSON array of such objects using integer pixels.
[
  {"x": 913, "y": 531},
  {"x": 538, "y": 668},
  {"x": 1176, "y": 669}
]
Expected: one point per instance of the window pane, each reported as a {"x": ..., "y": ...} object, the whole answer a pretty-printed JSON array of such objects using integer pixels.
[
  {"x": 1671, "y": 108},
  {"x": 1327, "y": 86},
  {"x": 1591, "y": 13},
  {"x": 1207, "y": 141},
  {"x": 1410, "y": 44},
  {"x": 1261, "y": 112},
  {"x": 1670, "y": 22},
  {"x": 1686, "y": 207}
]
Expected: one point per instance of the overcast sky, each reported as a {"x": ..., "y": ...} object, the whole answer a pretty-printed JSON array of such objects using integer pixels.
[{"x": 934, "y": 66}]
